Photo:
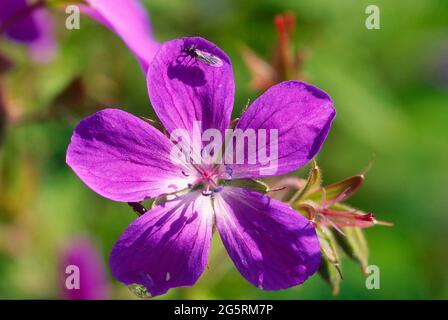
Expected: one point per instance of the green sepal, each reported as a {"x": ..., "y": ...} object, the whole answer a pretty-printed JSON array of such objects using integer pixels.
[
  {"x": 328, "y": 245},
  {"x": 313, "y": 181},
  {"x": 354, "y": 245},
  {"x": 330, "y": 274},
  {"x": 338, "y": 191},
  {"x": 330, "y": 268},
  {"x": 306, "y": 209}
]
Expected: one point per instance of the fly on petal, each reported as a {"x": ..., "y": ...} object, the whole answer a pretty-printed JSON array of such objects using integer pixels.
[{"x": 203, "y": 56}]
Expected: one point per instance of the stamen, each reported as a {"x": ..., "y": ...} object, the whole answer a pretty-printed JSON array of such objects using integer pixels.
[
  {"x": 207, "y": 193},
  {"x": 229, "y": 172},
  {"x": 185, "y": 174},
  {"x": 338, "y": 199},
  {"x": 366, "y": 217},
  {"x": 323, "y": 217},
  {"x": 350, "y": 215},
  {"x": 276, "y": 189}
]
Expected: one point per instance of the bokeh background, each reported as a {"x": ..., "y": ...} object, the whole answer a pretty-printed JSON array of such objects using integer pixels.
[{"x": 390, "y": 88}]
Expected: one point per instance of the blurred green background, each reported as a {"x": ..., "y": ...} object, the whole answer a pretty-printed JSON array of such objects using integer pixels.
[{"x": 389, "y": 90}]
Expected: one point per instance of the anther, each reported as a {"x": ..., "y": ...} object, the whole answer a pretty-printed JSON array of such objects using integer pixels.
[
  {"x": 207, "y": 193},
  {"x": 229, "y": 172},
  {"x": 185, "y": 174}
]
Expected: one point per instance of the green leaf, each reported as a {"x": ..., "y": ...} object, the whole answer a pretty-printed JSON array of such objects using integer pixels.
[
  {"x": 313, "y": 181},
  {"x": 339, "y": 191},
  {"x": 355, "y": 246}
]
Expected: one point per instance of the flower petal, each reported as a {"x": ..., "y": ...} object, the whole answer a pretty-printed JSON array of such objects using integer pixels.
[
  {"x": 302, "y": 115},
  {"x": 43, "y": 48},
  {"x": 24, "y": 29},
  {"x": 167, "y": 247},
  {"x": 272, "y": 246},
  {"x": 123, "y": 158},
  {"x": 129, "y": 20},
  {"x": 83, "y": 254},
  {"x": 184, "y": 89},
  {"x": 34, "y": 29}
]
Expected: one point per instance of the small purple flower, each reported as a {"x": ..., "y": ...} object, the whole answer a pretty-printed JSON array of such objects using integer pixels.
[
  {"x": 30, "y": 24},
  {"x": 93, "y": 283},
  {"x": 124, "y": 158},
  {"x": 129, "y": 20}
]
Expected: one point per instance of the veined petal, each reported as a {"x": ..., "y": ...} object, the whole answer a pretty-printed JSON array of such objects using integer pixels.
[
  {"x": 184, "y": 89},
  {"x": 123, "y": 158},
  {"x": 299, "y": 114},
  {"x": 272, "y": 246},
  {"x": 166, "y": 247},
  {"x": 129, "y": 20}
]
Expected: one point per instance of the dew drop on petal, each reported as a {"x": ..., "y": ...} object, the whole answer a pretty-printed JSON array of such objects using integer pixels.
[
  {"x": 140, "y": 291},
  {"x": 260, "y": 281}
]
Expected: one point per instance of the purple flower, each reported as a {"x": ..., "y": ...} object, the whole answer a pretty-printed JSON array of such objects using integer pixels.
[
  {"x": 124, "y": 158},
  {"x": 129, "y": 20},
  {"x": 30, "y": 24},
  {"x": 93, "y": 284}
]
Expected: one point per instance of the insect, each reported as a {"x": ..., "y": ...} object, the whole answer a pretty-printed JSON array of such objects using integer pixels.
[{"x": 203, "y": 56}]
